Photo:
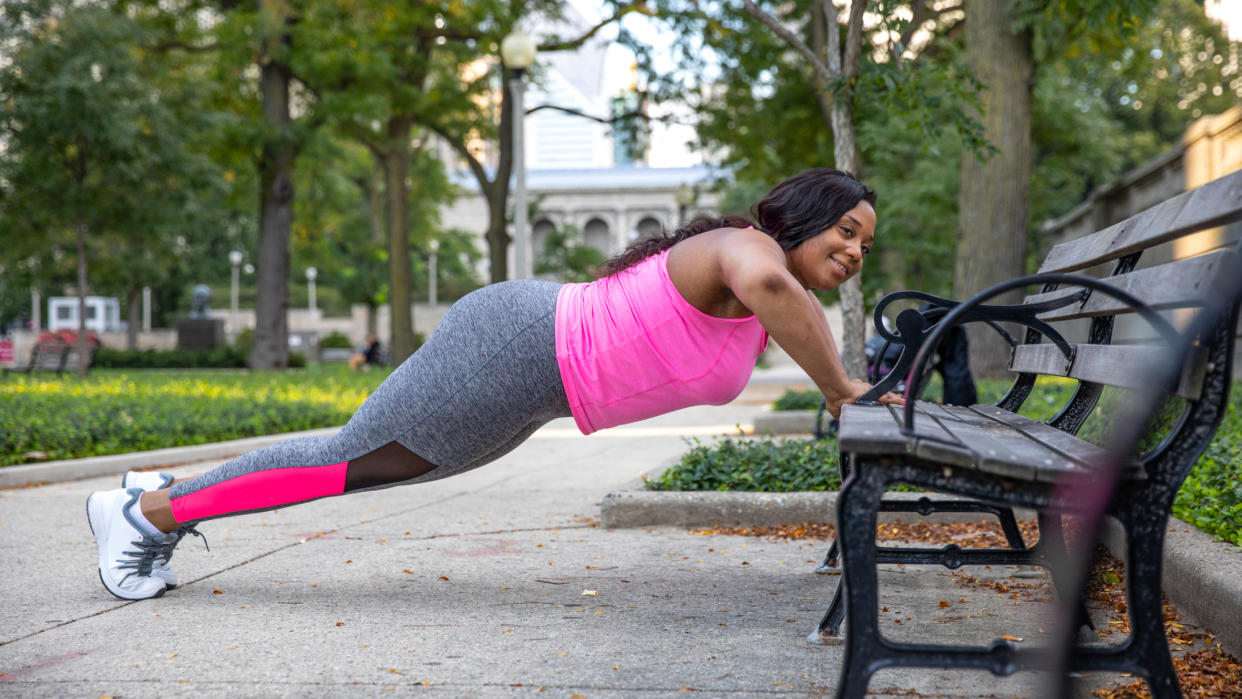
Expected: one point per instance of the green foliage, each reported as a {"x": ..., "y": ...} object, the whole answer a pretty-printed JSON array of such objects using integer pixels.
[
  {"x": 115, "y": 412},
  {"x": 764, "y": 464},
  {"x": 799, "y": 400},
  {"x": 1211, "y": 497},
  {"x": 220, "y": 358},
  {"x": 336, "y": 339},
  {"x": 98, "y": 141},
  {"x": 566, "y": 258}
]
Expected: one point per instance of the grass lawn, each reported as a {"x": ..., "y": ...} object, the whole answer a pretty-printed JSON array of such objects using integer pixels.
[{"x": 43, "y": 417}]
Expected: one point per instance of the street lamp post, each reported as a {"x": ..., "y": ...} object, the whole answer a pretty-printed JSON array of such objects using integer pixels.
[
  {"x": 518, "y": 53},
  {"x": 431, "y": 271},
  {"x": 235, "y": 259},
  {"x": 311, "y": 273},
  {"x": 684, "y": 194}
]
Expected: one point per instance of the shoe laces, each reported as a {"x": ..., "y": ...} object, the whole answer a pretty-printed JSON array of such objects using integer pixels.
[
  {"x": 175, "y": 537},
  {"x": 140, "y": 561}
]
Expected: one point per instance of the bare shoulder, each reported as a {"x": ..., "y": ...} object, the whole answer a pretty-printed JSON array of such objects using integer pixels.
[
  {"x": 701, "y": 267},
  {"x": 721, "y": 244}
]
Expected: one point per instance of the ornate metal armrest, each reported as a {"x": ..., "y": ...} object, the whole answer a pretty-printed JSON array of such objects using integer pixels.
[
  {"x": 916, "y": 328},
  {"x": 973, "y": 307}
]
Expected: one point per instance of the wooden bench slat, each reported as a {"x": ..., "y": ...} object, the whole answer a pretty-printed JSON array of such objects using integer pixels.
[
  {"x": 1122, "y": 366},
  {"x": 1214, "y": 204},
  {"x": 1066, "y": 444},
  {"x": 877, "y": 430},
  {"x": 1005, "y": 451},
  {"x": 1177, "y": 284},
  {"x": 952, "y": 436}
]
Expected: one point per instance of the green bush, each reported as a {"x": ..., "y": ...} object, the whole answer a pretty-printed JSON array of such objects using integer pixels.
[
  {"x": 218, "y": 358},
  {"x": 799, "y": 400},
  {"x": 765, "y": 464},
  {"x": 114, "y": 412},
  {"x": 335, "y": 339}
]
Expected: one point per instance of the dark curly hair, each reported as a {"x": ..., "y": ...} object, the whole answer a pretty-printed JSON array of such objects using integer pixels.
[{"x": 794, "y": 211}]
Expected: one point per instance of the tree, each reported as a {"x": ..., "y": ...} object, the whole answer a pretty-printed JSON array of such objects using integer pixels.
[
  {"x": 458, "y": 129},
  {"x": 992, "y": 204},
  {"x": 94, "y": 159},
  {"x": 808, "y": 83},
  {"x": 835, "y": 70}
]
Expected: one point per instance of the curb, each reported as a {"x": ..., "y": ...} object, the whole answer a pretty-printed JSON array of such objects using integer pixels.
[
  {"x": 90, "y": 467},
  {"x": 1201, "y": 576}
]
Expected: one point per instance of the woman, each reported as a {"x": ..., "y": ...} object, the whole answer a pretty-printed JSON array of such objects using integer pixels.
[{"x": 673, "y": 322}]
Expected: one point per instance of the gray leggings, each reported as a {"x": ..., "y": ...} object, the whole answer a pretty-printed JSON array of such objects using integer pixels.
[{"x": 483, "y": 382}]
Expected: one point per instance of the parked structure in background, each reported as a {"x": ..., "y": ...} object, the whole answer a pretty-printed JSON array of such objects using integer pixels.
[{"x": 103, "y": 314}]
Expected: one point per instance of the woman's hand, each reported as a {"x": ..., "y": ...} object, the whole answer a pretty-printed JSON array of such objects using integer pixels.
[{"x": 855, "y": 390}]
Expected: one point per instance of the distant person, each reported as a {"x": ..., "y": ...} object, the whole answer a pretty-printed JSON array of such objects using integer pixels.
[
  {"x": 674, "y": 321},
  {"x": 367, "y": 355}
]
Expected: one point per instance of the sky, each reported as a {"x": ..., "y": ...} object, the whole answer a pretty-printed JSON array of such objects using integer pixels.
[{"x": 670, "y": 144}]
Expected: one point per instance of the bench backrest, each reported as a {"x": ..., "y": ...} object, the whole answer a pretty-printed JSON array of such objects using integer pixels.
[
  {"x": 1176, "y": 289},
  {"x": 48, "y": 356}
]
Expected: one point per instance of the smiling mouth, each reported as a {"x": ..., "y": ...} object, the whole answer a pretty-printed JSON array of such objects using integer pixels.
[{"x": 840, "y": 266}]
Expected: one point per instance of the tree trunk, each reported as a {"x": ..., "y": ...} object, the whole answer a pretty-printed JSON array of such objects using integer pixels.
[
  {"x": 497, "y": 191},
  {"x": 847, "y": 157},
  {"x": 498, "y": 238},
  {"x": 992, "y": 204},
  {"x": 396, "y": 169},
  {"x": 271, "y": 331},
  {"x": 83, "y": 362}
]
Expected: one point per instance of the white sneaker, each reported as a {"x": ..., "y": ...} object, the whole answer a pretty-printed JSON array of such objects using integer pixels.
[
  {"x": 147, "y": 480},
  {"x": 155, "y": 480},
  {"x": 126, "y": 554}
]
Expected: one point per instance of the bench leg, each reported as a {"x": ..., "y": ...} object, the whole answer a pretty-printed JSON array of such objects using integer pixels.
[
  {"x": 829, "y": 628},
  {"x": 1052, "y": 545},
  {"x": 1144, "y": 567},
  {"x": 865, "y": 650}
]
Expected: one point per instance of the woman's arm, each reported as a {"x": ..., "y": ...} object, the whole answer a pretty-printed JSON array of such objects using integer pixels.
[{"x": 753, "y": 267}]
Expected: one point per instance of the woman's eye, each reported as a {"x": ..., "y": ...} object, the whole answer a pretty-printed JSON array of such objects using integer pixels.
[
  {"x": 866, "y": 250},
  {"x": 848, "y": 233}
]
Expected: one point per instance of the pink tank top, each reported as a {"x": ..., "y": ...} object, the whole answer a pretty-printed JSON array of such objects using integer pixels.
[{"x": 630, "y": 347}]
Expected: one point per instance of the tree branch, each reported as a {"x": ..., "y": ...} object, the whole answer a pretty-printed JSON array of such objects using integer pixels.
[
  {"x": 853, "y": 40},
  {"x": 472, "y": 162},
  {"x": 822, "y": 73},
  {"x": 557, "y": 45},
  {"x": 182, "y": 46},
  {"x": 584, "y": 115},
  {"x": 923, "y": 13}
]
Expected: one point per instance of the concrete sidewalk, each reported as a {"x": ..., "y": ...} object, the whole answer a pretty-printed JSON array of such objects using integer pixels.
[{"x": 494, "y": 583}]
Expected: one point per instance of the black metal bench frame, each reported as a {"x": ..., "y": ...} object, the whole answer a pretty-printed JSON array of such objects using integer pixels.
[{"x": 1142, "y": 502}]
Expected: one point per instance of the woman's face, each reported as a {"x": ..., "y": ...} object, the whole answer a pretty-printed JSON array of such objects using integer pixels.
[{"x": 835, "y": 254}]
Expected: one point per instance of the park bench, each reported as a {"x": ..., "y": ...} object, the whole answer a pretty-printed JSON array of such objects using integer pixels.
[
  {"x": 1097, "y": 316},
  {"x": 50, "y": 356}
]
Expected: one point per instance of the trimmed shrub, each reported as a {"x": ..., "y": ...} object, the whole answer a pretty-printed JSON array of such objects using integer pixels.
[
  {"x": 218, "y": 358},
  {"x": 765, "y": 465},
  {"x": 335, "y": 339}
]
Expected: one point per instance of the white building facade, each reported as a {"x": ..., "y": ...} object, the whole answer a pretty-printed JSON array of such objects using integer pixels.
[{"x": 611, "y": 207}]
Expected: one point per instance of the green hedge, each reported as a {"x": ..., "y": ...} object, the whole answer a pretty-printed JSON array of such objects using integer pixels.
[
  {"x": 766, "y": 464},
  {"x": 114, "y": 412},
  {"x": 233, "y": 357}
]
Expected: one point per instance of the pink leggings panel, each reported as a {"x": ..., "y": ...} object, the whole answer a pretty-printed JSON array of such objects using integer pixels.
[{"x": 261, "y": 490}]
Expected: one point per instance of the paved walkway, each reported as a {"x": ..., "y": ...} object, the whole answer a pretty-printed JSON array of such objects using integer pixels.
[{"x": 494, "y": 583}]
